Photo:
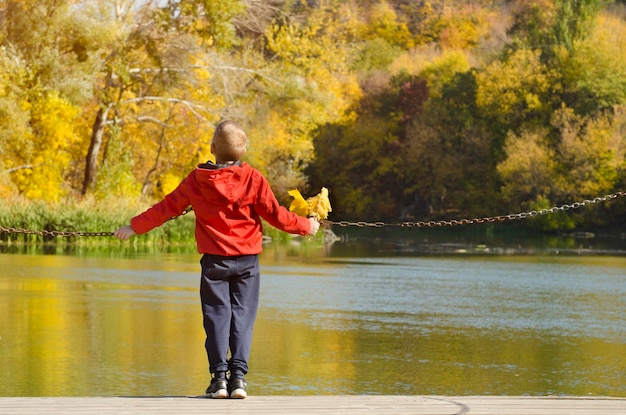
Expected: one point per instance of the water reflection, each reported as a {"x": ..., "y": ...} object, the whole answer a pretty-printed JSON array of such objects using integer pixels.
[{"x": 328, "y": 324}]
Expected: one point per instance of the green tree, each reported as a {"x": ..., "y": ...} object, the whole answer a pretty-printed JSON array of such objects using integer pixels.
[
  {"x": 574, "y": 21},
  {"x": 547, "y": 25}
]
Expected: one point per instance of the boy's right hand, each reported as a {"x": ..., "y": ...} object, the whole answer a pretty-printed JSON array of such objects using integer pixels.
[
  {"x": 124, "y": 232},
  {"x": 315, "y": 225}
]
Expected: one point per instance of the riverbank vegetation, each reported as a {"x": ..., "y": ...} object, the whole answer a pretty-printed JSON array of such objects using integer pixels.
[{"x": 404, "y": 110}]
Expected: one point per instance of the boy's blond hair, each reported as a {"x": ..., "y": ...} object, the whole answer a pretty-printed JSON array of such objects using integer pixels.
[{"x": 229, "y": 142}]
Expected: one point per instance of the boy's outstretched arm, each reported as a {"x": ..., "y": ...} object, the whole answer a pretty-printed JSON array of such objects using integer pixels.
[
  {"x": 315, "y": 225},
  {"x": 125, "y": 232}
]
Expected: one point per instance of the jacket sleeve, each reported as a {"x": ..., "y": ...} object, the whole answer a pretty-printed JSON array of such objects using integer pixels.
[
  {"x": 172, "y": 205},
  {"x": 278, "y": 216}
]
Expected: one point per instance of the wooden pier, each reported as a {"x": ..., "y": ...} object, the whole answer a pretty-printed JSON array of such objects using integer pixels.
[{"x": 329, "y": 405}]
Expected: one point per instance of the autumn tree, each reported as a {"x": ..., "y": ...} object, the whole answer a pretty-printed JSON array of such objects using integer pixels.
[
  {"x": 361, "y": 161},
  {"x": 449, "y": 156},
  {"x": 580, "y": 158},
  {"x": 46, "y": 78},
  {"x": 149, "y": 75},
  {"x": 310, "y": 84},
  {"x": 577, "y": 151},
  {"x": 515, "y": 90}
]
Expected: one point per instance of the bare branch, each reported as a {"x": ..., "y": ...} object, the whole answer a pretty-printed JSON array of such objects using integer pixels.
[
  {"x": 24, "y": 167},
  {"x": 255, "y": 72},
  {"x": 194, "y": 108},
  {"x": 146, "y": 118},
  {"x": 260, "y": 14}
]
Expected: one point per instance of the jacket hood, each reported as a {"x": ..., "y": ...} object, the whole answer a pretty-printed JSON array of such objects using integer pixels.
[{"x": 223, "y": 184}]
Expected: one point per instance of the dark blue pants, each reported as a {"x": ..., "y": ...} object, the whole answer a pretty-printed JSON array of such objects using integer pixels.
[{"x": 229, "y": 290}]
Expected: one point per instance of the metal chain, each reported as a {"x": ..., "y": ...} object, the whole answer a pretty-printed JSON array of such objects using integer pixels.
[
  {"x": 52, "y": 233},
  {"x": 421, "y": 224},
  {"x": 491, "y": 219}
]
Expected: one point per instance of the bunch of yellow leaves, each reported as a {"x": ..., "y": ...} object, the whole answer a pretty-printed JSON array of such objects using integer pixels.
[{"x": 317, "y": 206}]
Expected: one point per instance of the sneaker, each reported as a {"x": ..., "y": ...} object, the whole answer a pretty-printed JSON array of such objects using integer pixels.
[
  {"x": 217, "y": 389},
  {"x": 237, "y": 388}
]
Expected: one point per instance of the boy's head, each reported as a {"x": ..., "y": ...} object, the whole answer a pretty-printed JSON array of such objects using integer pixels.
[{"x": 229, "y": 142}]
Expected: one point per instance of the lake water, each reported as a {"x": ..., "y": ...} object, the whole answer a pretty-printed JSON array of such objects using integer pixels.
[{"x": 348, "y": 319}]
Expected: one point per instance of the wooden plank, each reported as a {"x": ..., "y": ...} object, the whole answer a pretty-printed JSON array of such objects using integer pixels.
[
  {"x": 544, "y": 405},
  {"x": 336, "y": 405}
]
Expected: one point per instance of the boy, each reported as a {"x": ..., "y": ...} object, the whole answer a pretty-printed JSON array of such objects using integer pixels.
[{"x": 229, "y": 198}]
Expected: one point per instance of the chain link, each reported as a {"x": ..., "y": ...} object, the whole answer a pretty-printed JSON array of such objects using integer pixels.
[
  {"x": 491, "y": 219},
  {"x": 361, "y": 224}
]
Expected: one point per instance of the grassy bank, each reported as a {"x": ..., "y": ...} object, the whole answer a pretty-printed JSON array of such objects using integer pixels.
[{"x": 92, "y": 216}]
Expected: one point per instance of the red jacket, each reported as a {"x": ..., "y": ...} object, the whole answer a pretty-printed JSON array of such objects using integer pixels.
[{"x": 228, "y": 203}]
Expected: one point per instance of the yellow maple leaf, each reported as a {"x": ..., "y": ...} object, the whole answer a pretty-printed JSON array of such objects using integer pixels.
[
  {"x": 299, "y": 206},
  {"x": 316, "y": 206},
  {"x": 319, "y": 204}
]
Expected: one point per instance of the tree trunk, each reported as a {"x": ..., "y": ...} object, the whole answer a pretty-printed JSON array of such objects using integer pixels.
[{"x": 91, "y": 162}]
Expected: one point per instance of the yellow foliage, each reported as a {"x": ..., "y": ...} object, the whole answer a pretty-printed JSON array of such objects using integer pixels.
[
  {"x": 273, "y": 136},
  {"x": 383, "y": 23},
  {"x": 586, "y": 160},
  {"x": 317, "y": 87},
  {"x": 513, "y": 87},
  {"x": 597, "y": 62},
  {"x": 317, "y": 206},
  {"x": 442, "y": 70},
  {"x": 168, "y": 148},
  {"x": 5, "y": 192},
  {"x": 168, "y": 182},
  {"x": 591, "y": 150},
  {"x": 5, "y": 185},
  {"x": 462, "y": 28},
  {"x": 49, "y": 152},
  {"x": 528, "y": 169}
]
